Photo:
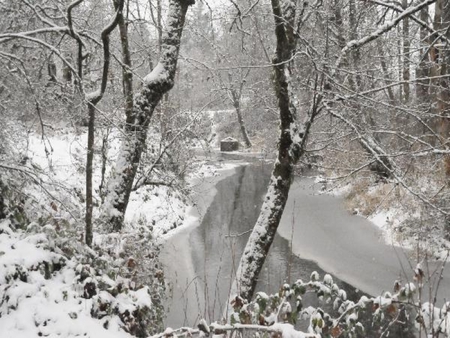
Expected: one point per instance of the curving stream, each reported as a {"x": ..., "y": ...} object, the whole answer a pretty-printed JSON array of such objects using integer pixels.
[{"x": 200, "y": 260}]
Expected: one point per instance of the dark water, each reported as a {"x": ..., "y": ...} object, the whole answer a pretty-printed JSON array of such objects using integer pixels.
[{"x": 217, "y": 244}]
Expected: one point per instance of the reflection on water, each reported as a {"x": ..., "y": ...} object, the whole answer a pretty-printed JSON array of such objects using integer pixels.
[{"x": 217, "y": 244}]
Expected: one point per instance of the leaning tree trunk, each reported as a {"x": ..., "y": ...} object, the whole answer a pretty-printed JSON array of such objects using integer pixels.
[
  {"x": 236, "y": 98},
  {"x": 156, "y": 84},
  {"x": 237, "y": 108},
  {"x": 236, "y": 95},
  {"x": 290, "y": 148}
]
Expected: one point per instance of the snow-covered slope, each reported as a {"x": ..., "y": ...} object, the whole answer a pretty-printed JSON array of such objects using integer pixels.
[
  {"x": 51, "y": 284},
  {"x": 56, "y": 287}
]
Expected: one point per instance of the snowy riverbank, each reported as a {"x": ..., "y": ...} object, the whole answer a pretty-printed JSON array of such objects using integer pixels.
[
  {"x": 51, "y": 284},
  {"x": 350, "y": 247}
]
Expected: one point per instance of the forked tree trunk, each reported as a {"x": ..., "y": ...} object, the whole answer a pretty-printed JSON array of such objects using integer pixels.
[
  {"x": 291, "y": 146},
  {"x": 156, "y": 84},
  {"x": 93, "y": 99}
]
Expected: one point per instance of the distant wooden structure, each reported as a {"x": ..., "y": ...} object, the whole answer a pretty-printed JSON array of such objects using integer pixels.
[{"x": 229, "y": 144}]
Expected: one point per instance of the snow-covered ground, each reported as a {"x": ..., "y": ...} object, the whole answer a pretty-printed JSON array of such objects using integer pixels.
[
  {"x": 43, "y": 293},
  {"x": 62, "y": 158},
  {"x": 51, "y": 284}
]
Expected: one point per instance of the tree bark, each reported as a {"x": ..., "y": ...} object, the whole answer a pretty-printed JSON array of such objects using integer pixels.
[
  {"x": 422, "y": 72},
  {"x": 291, "y": 147},
  {"x": 355, "y": 54},
  {"x": 127, "y": 75},
  {"x": 237, "y": 108},
  {"x": 444, "y": 97},
  {"x": 384, "y": 67},
  {"x": 92, "y": 100},
  {"x": 406, "y": 52},
  {"x": 156, "y": 84},
  {"x": 236, "y": 96}
]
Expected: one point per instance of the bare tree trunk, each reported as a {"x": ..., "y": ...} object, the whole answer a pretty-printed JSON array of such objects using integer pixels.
[
  {"x": 422, "y": 72},
  {"x": 291, "y": 147},
  {"x": 339, "y": 22},
  {"x": 444, "y": 102},
  {"x": 399, "y": 61},
  {"x": 406, "y": 52},
  {"x": 385, "y": 70},
  {"x": 51, "y": 69},
  {"x": 236, "y": 96},
  {"x": 156, "y": 84},
  {"x": 89, "y": 171},
  {"x": 237, "y": 108},
  {"x": 355, "y": 54},
  {"x": 127, "y": 75},
  {"x": 93, "y": 99}
]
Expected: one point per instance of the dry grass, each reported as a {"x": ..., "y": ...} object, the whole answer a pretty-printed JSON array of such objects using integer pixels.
[{"x": 368, "y": 199}]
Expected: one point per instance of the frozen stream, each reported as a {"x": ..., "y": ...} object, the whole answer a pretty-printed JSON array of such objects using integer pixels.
[
  {"x": 351, "y": 247},
  {"x": 200, "y": 260}
]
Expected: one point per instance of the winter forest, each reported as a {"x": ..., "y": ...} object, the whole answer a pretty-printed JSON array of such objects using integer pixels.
[{"x": 182, "y": 168}]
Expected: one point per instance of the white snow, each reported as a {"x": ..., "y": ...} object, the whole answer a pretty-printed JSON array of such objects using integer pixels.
[
  {"x": 30, "y": 304},
  {"x": 156, "y": 74},
  {"x": 37, "y": 306}
]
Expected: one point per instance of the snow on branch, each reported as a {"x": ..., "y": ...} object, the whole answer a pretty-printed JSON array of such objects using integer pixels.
[
  {"x": 397, "y": 8},
  {"x": 55, "y": 29},
  {"x": 77, "y": 38},
  {"x": 274, "y": 314},
  {"x": 381, "y": 30},
  {"x": 283, "y": 329},
  {"x": 34, "y": 9},
  {"x": 42, "y": 43}
]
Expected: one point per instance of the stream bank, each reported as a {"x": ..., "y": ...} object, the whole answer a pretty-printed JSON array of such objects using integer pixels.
[{"x": 201, "y": 259}]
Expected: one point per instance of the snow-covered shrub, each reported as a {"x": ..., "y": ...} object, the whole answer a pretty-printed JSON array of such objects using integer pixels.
[
  {"x": 51, "y": 286},
  {"x": 280, "y": 314}
]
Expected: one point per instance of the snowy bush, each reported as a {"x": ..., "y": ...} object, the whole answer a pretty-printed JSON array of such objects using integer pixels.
[
  {"x": 280, "y": 314},
  {"x": 46, "y": 291}
]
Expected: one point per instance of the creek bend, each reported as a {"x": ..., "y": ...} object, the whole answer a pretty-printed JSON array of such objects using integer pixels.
[{"x": 201, "y": 259}]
